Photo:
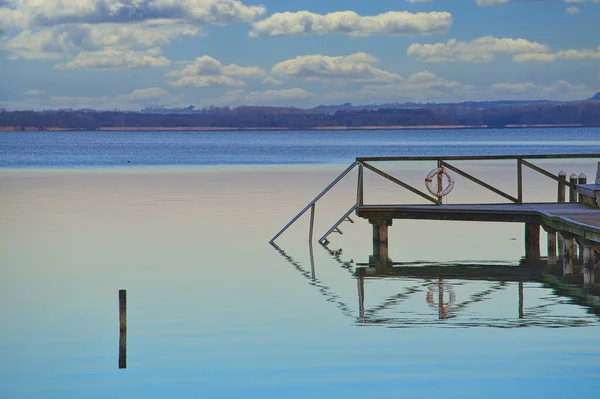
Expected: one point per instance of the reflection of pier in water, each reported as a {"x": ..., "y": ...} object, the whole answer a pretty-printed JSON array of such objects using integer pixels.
[{"x": 440, "y": 288}]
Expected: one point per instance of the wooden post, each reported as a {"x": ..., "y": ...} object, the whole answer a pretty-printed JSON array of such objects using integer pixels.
[
  {"x": 568, "y": 254},
  {"x": 440, "y": 180},
  {"x": 520, "y": 180},
  {"x": 572, "y": 189},
  {"x": 581, "y": 180},
  {"x": 380, "y": 240},
  {"x": 532, "y": 241},
  {"x": 123, "y": 329},
  {"x": 562, "y": 176},
  {"x": 360, "y": 187},
  {"x": 551, "y": 246}
]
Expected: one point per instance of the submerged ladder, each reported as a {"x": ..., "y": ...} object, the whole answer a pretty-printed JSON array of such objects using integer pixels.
[{"x": 311, "y": 205}]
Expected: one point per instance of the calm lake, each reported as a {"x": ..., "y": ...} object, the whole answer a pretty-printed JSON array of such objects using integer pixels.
[{"x": 182, "y": 221}]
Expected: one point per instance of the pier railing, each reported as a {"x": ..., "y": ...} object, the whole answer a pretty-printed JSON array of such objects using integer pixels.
[{"x": 522, "y": 161}]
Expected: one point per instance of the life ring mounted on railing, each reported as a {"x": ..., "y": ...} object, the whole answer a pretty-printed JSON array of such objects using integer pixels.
[{"x": 439, "y": 174}]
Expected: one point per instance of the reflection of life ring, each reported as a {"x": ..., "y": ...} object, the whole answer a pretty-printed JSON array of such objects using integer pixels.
[
  {"x": 435, "y": 290},
  {"x": 434, "y": 175}
]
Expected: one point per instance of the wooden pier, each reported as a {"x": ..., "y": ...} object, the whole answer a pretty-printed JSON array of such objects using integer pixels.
[{"x": 572, "y": 226}]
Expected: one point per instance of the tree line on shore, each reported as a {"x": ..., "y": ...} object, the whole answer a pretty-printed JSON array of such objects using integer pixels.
[{"x": 586, "y": 113}]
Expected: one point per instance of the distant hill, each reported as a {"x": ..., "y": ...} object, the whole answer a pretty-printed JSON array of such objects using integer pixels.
[{"x": 596, "y": 97}]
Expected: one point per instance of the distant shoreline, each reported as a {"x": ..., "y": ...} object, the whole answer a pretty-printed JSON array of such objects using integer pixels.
[{"x": 318, "y": 128}]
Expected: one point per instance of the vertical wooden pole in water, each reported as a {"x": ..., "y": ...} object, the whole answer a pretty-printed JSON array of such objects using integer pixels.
[
  {"x": 562, "y": 176},
  {"x": 532, "y": 241},
  {"x": 380, "y": 240},
  {"x": 551, "y": 245},
  {"x": 123, "y": 329},
  {"x": 568, "y": 254},
  {"x": 582, "y": 179}
]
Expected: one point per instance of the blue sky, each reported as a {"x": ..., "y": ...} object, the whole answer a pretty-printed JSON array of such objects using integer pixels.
[{"x": 129, "y": 54}]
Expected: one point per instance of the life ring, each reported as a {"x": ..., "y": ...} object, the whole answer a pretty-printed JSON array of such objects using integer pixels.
[{"x": 439, "y": 192}]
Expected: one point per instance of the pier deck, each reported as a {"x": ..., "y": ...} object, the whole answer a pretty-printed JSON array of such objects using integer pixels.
[{"x": 569, "y": 217}]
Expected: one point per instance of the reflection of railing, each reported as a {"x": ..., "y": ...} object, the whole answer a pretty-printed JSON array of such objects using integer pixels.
[
  {"x": 521, "y": 161},
  {"x": 458, "y": 315}
]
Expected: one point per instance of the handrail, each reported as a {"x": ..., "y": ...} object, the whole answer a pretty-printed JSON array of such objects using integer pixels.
[
  {"x": 480, "y": 182},
  {"x": 399, "y": 182},
  {"x": 546, "y": 173},
  {"x": 311, "y": 203},
  {"x": 361, "y": 162},
  {"x": 476, "y": 157}
]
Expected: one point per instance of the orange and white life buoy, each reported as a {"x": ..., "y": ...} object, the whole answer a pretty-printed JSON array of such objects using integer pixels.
[{"x": 433, "y": 176}]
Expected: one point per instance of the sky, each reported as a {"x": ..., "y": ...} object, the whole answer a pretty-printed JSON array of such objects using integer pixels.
[{"x": 131, "y": 54}]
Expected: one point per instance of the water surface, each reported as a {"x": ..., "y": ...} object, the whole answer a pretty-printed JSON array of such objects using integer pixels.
[{"x": 215, "y": 311}]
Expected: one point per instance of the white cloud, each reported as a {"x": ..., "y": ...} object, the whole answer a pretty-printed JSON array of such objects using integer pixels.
[
  {"x": 355, "y": 68},
  {"x": 59, "y": 41},
  {"x": 203, "y": 12},
  {"x": 559, "y": 90},
  {"x": 268, "y": 97},
  {"x": 56, "y": 29},
  {"x": 272, "y": 81},
  {"x": 44, "y": 45},
  {"x": 350, "y": 23},
  {"x": 147, "y": 97},
  {"x": 206, "y": 71},
  {"x": 482, "y": 49},
  {"x": 571, "y": 54},
  {"x": 116, "y": 59},
  {"x": 573, "y": 10},
  {"x": 420, "y": 86}
]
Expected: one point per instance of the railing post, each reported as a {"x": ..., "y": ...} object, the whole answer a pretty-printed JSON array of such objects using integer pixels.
[
  {"x": 312, "y": 223},
  {"x": 562, "y": 176},
  {"x": 581, "y": 180},
  {"x": 572, "y": 187},
  {"x": 519, "y": 180},
  {"x": 440, "y": 180},
  {"x": 360, "y": 187}
]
